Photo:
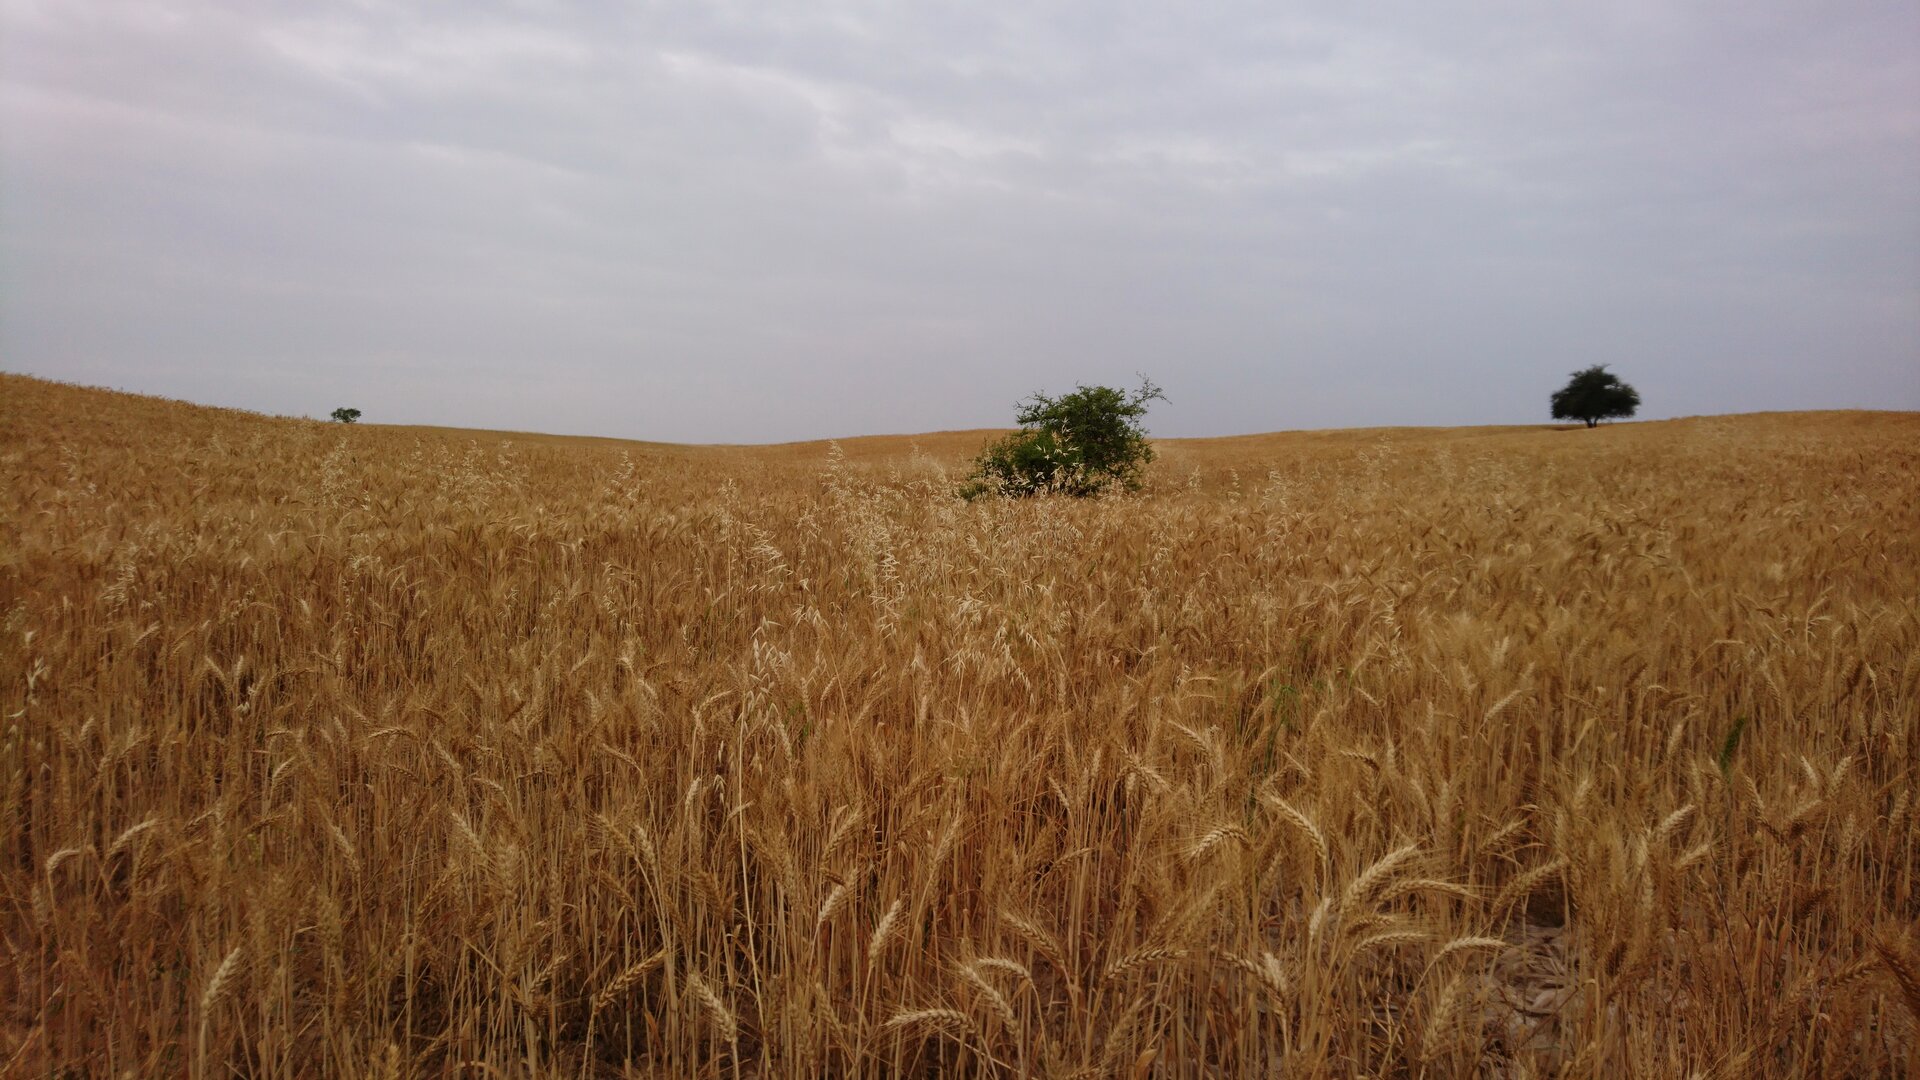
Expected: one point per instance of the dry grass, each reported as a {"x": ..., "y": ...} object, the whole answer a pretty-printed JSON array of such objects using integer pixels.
[{"x": 1516, "y": 752}]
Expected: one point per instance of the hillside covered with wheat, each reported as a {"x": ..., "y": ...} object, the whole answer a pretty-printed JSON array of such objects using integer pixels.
[{"x": 343, "y": 751}]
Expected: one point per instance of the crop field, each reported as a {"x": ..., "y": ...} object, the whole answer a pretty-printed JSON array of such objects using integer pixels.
[{"x": 1493, "y": 752}]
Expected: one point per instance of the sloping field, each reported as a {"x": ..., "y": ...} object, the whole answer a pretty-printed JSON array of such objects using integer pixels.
[{"x": 1480, "y": 752}]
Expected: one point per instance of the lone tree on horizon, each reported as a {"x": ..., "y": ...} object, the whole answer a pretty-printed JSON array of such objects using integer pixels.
[
  {"x": 344, "y": 415},
  {"x": 1084, "y": 443},
  {"x": 1594, "y": 394}
]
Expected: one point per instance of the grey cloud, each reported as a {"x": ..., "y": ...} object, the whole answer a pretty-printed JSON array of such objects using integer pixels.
[{"x": 718, "y": 222}]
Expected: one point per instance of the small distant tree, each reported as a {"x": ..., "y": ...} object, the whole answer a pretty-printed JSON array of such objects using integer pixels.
[
  {"x": 1593, "y": 395},
  {"x": 1084, "y": 443},
  {"x": 345, "y": 415}
]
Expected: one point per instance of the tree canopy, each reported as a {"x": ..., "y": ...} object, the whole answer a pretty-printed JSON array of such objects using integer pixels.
[
  {"x": 1084, "y": 443},
  {"x": 1594, "y": 394}
]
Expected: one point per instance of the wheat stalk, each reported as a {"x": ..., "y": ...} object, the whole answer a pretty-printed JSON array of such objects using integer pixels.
[
  {"x": 723, "y": 1018},
  {"x": 1391, "y": 939},
  {"x": 1434, "y": 1037},
  {"x": 1523, "y": 885},
  {"x": 1370, "y": 881},
  {"x": 884, "y": 931},
  {"x": 835, "y": 897},
  {"x": 1305, "y": 825},
  {"x": 1142, "y": 957},
  {"x": 993, "y": 996},
  {"x": 1905, "y": 969},
  {"x": 1671, "y": 825},
  {"x": 1001, "y": 963},
  {"x": 218, "y": 986},
  {"x": 1212, "y": 838},
  {"x": 934, "y": 1018},
  {"x": 624, "y": 980},
  {"x": 1041, "y": 941}
]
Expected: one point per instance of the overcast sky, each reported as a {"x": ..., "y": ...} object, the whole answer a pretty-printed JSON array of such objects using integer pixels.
[{"x": 759, "y": 221}]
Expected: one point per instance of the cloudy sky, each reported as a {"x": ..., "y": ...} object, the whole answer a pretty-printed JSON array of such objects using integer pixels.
[{"x": 758, "y": 221}]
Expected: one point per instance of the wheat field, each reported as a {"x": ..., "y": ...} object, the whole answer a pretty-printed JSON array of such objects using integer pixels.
[{"x": 364, "y": 751}]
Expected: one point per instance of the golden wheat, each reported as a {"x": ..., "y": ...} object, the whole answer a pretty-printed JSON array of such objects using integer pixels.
[{"x": 1446, "y": 752}]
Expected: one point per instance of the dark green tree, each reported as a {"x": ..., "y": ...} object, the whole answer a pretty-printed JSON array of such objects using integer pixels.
[
  {"x": 1084, "y": 443},
  {"x": 345, "y": 415},
  {"x": 1593, "y": 395}
]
